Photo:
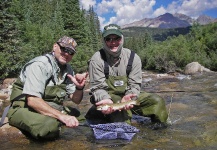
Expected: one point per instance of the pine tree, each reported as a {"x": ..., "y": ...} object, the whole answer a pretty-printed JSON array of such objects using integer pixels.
[
  {"x": 73, "y": 21},
  {"x": 94, "y": 27},
  {"x": 9, "y": 39}
]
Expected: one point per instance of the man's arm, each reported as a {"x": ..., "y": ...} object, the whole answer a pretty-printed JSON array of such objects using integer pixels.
[
  {"x": 79, "y": 81},
  {"x": 77, "y": 96},
  {"x": 135, "y": 77},
  {"x": 40, "y": 106},
  {"x": 98, "y": 83}
]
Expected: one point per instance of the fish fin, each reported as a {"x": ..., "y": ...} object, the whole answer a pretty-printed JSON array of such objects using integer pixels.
[{"x": 137, "y": 103}]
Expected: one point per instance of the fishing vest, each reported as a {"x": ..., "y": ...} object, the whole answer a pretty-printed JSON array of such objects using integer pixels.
[
  {"x": 53, "y": 95},
  {"x": 117, "y": 84}
]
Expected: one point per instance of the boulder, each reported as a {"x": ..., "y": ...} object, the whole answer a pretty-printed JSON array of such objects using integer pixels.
[{"x": 195, "y": 67}]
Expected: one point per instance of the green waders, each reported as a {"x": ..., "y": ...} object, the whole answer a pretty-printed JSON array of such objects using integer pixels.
[
  {"x": 151, "y": 105},
  {"x": 27, "y": 120}
]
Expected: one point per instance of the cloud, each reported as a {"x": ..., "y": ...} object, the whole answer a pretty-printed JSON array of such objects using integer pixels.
[
  {"x": 127, "y": 11},
  {"x": 101, "y": 19},
  {"x": 159, "y": 11},
  {"x": 108, "y": 7},
  {"x": 192, "y": 8},
  {"x": 87, "y": 3}
]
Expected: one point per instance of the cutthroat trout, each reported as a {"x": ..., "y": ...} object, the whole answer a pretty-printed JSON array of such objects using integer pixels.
[{"x": 117, "y": 106}]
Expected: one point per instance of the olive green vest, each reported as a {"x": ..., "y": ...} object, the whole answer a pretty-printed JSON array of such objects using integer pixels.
[{"x": 53, "y": 95}]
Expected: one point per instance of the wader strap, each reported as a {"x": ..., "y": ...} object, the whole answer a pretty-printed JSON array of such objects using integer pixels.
[
  {"x": 52, "y": 77},
  {"x": 130, "y": 62},
  {"x": 4, "y": 115},
  {"x": 18, "y": 97},
  {"x": 106, "y": 66}
]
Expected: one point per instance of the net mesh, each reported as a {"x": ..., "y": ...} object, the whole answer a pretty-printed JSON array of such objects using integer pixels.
[{"x": 117, "y": 130}]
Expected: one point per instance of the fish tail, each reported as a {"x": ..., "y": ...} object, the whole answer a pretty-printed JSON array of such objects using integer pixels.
[{"x": 137, "y": 102}]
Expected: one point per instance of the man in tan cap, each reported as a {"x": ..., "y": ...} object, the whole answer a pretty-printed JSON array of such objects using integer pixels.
[{"x": 38, "y": 94}]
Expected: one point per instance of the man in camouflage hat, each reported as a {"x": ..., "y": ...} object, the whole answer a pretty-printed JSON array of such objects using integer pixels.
[{"x": 38, "y": 94}]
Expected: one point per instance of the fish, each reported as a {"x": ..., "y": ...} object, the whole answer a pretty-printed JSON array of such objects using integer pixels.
[{"x": 117, "y": 106}]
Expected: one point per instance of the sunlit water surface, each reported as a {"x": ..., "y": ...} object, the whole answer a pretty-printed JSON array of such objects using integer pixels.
[{"x": 192, "y": 106}]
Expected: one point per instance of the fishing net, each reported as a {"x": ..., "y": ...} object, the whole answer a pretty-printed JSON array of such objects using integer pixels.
[{"x": 117, "y": 130}]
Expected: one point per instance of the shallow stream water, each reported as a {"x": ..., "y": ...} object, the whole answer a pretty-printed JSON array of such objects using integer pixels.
[{"x": 192, "y": 105}]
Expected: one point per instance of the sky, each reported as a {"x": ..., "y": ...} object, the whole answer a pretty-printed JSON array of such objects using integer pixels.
[{"x": 122, "y": 12}]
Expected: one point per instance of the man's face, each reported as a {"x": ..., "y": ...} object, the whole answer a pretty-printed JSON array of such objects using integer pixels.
[
  {"x": 113, "y": 41},
  {"x": 61, "y": 55}
]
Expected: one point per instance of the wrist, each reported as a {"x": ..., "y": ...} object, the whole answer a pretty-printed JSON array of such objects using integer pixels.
[{"x": 79, "y": 89}]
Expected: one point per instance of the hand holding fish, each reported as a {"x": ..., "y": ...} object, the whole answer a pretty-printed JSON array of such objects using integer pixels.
[
  {"x": 105, "y": 102},
  {"x": 127, "y": 98},
  {"x": 108, "y": 108}
]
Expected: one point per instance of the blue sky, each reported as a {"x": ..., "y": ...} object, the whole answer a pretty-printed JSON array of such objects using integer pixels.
[{"x": 127, "y": 11}]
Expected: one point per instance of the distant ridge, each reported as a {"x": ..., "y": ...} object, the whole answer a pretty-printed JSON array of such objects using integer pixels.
[{"x": 167, "y": 21}]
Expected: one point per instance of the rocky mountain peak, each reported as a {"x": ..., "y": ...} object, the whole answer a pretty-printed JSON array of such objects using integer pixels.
[
  {"x": 167, "y": 17},
  {"x": 168, "y": 20},
  {"x": 204, "y": 19}
]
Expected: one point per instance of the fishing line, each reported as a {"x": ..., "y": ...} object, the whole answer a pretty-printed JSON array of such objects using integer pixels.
[
  {"x": 171, "y": 100},
  {"x": 168, "y": 120}
]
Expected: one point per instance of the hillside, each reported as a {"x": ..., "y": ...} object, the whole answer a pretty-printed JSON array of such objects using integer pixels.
[{"x": 156, "y": 33}]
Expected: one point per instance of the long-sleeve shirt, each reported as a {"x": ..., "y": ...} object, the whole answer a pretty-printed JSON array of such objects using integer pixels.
[{"x": 98, "y": 85}]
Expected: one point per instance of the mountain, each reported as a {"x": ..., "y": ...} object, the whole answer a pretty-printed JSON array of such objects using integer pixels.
[
  {"x": 167, "y": 21},
  {"x": 184, "y": 17},
  {"x": 203, "y": 19}
]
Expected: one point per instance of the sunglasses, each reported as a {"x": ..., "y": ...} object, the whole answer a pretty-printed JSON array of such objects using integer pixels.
[
  {"x": 66, "y": 50},
  {"x": 112, "y": 39}
]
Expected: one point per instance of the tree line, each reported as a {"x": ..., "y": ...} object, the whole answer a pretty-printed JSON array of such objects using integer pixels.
[
  {"x": 28, "y": 28},
  {"x": 174, "y": 53}
]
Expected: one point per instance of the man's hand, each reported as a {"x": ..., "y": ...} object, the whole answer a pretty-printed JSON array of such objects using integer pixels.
[
  {"x": 126, "y": 98},
  {"x": 106, "y": 101},
  {"x": 69, "y": 121},
  {"x": 79, "y": 79}
]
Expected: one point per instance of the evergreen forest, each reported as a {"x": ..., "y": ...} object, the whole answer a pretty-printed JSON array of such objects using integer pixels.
[{"x": 29, "y": 28}]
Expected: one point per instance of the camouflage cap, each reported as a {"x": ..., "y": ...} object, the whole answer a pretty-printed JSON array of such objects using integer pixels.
[
  {"x": 68, "y": 43},
  {"x": 111, "y": 29}
]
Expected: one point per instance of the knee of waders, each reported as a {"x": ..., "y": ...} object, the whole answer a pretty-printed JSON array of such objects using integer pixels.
[
  {"x": 49, "y": 129},
  {"x": 157, "y": 100}
]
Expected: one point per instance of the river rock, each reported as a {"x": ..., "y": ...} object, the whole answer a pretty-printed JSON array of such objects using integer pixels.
[{"x": 195, "y": 67}]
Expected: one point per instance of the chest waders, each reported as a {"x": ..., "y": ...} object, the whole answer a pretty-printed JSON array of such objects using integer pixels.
[
  {"x": 116, "y": 88},
  {"x": 31, "y": 122},
  {"x": 151, "y": 105}
]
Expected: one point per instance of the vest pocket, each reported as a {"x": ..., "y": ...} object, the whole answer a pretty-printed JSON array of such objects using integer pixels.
[
  {"x": 60, "y": 96},
  {"x": 56, "y": 94}
]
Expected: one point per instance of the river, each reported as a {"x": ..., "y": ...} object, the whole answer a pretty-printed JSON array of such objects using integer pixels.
[{"x": 192, "y": 105}]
